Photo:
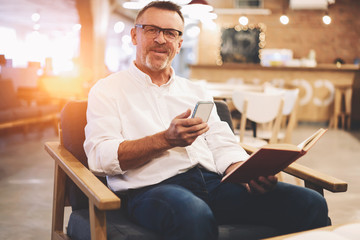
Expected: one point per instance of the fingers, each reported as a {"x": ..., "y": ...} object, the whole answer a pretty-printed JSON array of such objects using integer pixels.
[
  {"x": 262, "y": 185},
  {"x": 183, "y": 131},
  {"x": 183, "y": 115}
]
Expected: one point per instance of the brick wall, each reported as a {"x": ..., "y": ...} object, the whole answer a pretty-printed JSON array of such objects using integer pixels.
[{"x": 304, "y": 32}]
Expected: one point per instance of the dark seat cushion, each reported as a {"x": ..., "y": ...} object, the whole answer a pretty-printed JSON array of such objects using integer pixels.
[{"x": 119, "y": 227}]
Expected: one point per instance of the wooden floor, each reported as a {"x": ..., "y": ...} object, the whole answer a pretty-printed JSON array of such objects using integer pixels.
[{"x": 26, "y": 178}]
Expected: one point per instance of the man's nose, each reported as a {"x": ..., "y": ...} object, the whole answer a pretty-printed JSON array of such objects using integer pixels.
[{"x": 160, "y": 38}]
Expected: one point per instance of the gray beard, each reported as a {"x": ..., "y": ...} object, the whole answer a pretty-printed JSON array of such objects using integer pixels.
[{"x": 153, "y": 67}]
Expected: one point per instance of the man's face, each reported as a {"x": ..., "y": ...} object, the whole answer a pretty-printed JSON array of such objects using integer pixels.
[{"x": 156, "y": 53}]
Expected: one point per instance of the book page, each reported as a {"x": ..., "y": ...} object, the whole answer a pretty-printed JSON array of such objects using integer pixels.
[
  {"x": 282, "y": 146},
  {"x": 310, "y": 141}
]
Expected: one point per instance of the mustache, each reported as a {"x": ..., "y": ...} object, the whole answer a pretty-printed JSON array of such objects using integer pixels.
[{"x": 158, "y": 47}]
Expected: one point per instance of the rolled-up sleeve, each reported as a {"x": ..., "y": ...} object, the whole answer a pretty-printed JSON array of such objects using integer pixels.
[
  {"x": 223, "y": 145},
  {"x": 102, "y": 134}
]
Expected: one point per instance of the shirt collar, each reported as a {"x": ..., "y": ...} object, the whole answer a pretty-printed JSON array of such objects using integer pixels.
[{"x": 144, "y": 79}]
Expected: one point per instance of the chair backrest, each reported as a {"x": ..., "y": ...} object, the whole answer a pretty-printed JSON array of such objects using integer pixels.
[
  {"x": 72, "y": 134},
  {"x": 261, "y": 107},
  {"x": 291, "y": 100},
  {"x": 224, "y": 113},
  {"x": 290, "y": 97}
]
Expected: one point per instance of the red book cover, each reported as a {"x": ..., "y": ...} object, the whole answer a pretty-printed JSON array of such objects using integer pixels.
[{"x": 271, "y": 159}]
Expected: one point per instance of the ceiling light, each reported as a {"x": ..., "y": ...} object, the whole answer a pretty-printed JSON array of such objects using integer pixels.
[
  {"x": 243, "y": 20},
  {"x": 35, "y": 17},
  {"x": 284, "y": 19},
  {"x": 326, "y": 19},
  {"x": 119, "y": 27}
]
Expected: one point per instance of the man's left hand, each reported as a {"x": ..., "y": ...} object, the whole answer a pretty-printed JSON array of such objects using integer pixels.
[{"x": 262, "y": 185}]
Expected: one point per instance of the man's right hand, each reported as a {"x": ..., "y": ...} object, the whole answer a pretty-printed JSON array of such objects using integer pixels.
[{"x": 184, "y": 130}]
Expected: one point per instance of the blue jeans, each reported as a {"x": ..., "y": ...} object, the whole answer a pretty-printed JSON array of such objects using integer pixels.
[{"x": 192, "y": 205}]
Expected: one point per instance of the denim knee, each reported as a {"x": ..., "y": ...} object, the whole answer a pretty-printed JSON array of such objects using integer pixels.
[
  {"x": 175, "y": 213},
  {"x": 310, "y": 211},
  {"x": 195, "y": 220},
  {"x": 317, "y": 211}
]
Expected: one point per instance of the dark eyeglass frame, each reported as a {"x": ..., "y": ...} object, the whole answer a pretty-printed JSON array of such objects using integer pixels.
[{"x": 142, "y": 26}]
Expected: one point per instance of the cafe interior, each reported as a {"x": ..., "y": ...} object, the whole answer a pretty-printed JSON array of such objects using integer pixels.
[{"x": 283, "y": 68}]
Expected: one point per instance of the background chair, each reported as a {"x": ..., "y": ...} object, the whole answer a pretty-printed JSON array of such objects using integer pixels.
[
  {"x": 261, "y": 108},
  {"x": 96, "y": 212},
  {"x": 289, "y": 118}
]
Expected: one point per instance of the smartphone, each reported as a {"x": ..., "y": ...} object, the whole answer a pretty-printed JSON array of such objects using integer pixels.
[{"x": 203, "y": 110}]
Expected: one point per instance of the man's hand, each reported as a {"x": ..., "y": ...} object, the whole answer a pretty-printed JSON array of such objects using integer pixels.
[
  {"x": 183, "y": 130},
  {"x": 262, "y": 185},
  {"x": 257, "y": 186}
]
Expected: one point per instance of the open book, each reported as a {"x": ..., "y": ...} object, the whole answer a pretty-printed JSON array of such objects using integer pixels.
[{"x": 271, "y": 159}]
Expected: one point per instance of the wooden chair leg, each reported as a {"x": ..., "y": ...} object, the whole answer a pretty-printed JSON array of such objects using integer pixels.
[
  {"x": 337, "y": 108},
  {"x": 58, "y": 203},
  {"x": 97, "y": 223},
  {"x": 348, "y": 99}
]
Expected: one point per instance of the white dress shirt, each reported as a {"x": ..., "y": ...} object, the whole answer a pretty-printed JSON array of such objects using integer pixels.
[{"x": 128, "y": 106}]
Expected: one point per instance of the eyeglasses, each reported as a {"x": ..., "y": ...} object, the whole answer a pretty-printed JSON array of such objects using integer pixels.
[{"x": 152, "y": 31}]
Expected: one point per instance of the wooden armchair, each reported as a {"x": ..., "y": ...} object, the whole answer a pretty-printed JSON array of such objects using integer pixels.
[{"x": 96, "y": 212}]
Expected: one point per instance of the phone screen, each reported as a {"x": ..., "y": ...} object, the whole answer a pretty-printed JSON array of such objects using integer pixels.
[{"x": 203, "y": 110}]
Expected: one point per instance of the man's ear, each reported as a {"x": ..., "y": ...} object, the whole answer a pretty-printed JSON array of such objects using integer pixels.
[
  {"x": 133, "y": 36},
  {"x": 179, "y": 46}
]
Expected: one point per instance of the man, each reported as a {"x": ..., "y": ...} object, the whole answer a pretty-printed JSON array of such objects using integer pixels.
[{"x": 169, "y": 166}]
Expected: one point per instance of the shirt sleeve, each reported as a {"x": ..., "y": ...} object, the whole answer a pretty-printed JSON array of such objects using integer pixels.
[
  {"x": 223, "y": 144},
  {"x": 102, "y": 133}
]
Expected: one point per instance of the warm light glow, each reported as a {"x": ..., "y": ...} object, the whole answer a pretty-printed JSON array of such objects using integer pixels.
[
  {"x": 7, "y": 42},
  {"x": 284, "y": 19},
  {"x": 326, "y": 19},
  {"x": 36, "y": 47},
  {"x": 243, "y": 20}
]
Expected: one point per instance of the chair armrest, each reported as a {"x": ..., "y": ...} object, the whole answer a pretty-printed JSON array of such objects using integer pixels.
[
  {"x": 312, "y": 178},
  {"x": 102, "y": 197},
  {"x": 317, "y": 178}
]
